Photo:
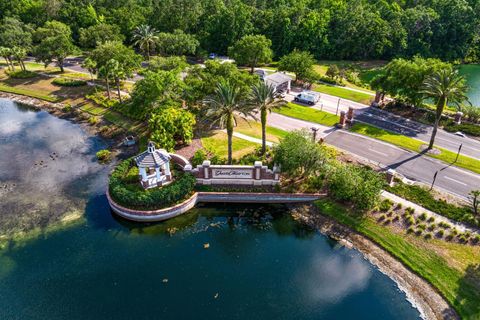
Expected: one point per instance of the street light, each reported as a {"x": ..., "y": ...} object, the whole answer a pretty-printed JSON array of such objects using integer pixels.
[
  {"x": 338, "y": 106},
  {"x": 314, "y": 130}
]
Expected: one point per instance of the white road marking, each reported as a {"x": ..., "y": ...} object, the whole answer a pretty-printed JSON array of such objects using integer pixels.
[
  {"x": 454, "y": 180},
  {"x": 382, "y": 153}
]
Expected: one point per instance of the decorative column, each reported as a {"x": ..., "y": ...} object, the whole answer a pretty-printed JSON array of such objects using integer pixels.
[
  {"x": 257, "y": 168},
  {"x": 458, "y": 117},
  {"x": 350, "y": 115},
  {"x": 343, "y": 119}
]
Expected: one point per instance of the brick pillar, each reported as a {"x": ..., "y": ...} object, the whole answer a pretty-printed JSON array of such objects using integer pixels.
[
  {"x": 350, "y": 114},
  {"x": 206, "y": 169},
  {"x": 257, "y": 170},
  {"x": 343, "y": 119}
]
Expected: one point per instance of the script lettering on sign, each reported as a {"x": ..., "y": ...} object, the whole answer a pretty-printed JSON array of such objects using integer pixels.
[{"x": 232, "y": 173}]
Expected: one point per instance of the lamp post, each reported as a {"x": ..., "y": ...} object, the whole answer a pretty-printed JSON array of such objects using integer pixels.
[
  {"x": 338, "y": 106},
  {"x": 314, "y": 130}
]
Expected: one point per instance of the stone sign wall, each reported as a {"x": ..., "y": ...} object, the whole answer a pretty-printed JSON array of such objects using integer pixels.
[{"x": 256, "y": 175}]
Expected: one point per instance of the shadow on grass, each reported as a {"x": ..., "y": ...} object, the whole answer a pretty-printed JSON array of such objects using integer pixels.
[{"x": 468, "y": 293}]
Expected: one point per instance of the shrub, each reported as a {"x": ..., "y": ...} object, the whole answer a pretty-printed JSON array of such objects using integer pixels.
[
  {"x": 65, "y": 82},
  {"x": 104, "y": 155},
  {"x": 67, "y": 108},
  {"x": 396, "y": 218},
  {"x": 102, "y": 100},
  {"x": 385, "y": 205},
  {"x": 476, "y": 239},
  {"x": 357, "y": 185},
  {"x": 21, "y": 74},
  {"x": 93, "y": 120},
  {"x": 454, "y": 232},
  {"x": 382, "y": 217},
  {"x": 198, "y": 157},
  {"x": 428, "y": 236},
  {"x": 387, "y": 221},
  {"x": 410, "y": 230},
  {"x": 432, "y": 227},
  {"x": 431, "y": 219},
  {"x": 399, "y": 206},
  {"x": 423, "y": 216},
  {"x": 444, "y": 225},
  {"x": 418, "y": 232},
  {"x": 422, "y": 226},
  {"x": 449, "y": 237},
  {"x": 440, "y": 233},
  {"x": 462, "y": 238},
  {"x": 423, "y": 197},
  {"x": 132, "y": 195},
  {"x": 410, "y": 221},
  {"x": 410, "y": 210},
  {"x": 467, "y": 128}
]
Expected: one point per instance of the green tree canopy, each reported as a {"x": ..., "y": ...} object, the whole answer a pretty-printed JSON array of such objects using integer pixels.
[
  {"x": 14, "y": 33},
  {"x": 173, "y": 63},
  {"x": 251, "y": 50},
  {"x": 54, "y": 43},
  {"x": 299, "y": 62},
  {"x": 403, "y": 78},
  {"x": 100, "y": 33},
  {"x": 177, "y": 43}
]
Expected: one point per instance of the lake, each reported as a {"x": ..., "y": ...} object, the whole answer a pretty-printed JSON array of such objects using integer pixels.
[
  {"x": 259, "y": 264},
  {"x": 472, "y": 73}
]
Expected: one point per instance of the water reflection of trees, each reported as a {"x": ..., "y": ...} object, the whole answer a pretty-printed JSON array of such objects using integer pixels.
[{"x": 468, "y": 292}]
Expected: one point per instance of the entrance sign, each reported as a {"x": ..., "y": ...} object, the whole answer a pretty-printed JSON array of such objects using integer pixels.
[{"x": 232, "y": 173}]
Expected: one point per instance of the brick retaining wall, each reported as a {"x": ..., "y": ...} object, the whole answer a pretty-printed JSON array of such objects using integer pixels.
[{"x": 231, "y": 197}]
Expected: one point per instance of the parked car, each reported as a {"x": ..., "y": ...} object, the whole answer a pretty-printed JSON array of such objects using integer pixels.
[
  {"x": 309, "y": 98},
  {"x": 280, "y": 94}
]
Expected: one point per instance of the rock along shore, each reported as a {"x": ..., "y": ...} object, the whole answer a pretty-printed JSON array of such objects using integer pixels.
[{"x": 423, "y": 296}]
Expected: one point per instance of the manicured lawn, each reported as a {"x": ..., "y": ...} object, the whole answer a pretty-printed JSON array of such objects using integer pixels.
[
  {"x": 120, "y": 120},
  {"x": 254, "y": 129},
  {"x": 28, "y": 92},
  {"x": 93, "y": 109},
  {"x": 217, "y": 143},
  {"x": 309, "y": 114},
  {"x": 344, "y": 93},
  {"x": 450, "y": 267},
  {"x": 414, "y": 145}
]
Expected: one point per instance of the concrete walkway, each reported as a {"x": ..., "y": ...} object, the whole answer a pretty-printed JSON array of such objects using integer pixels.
[{"x": 419, "y": 210}]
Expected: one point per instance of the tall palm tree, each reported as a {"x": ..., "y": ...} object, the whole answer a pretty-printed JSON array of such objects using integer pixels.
[
  {"x": 145, "y": 38},
  {"x": 264, "y": 98},
  {"x": 444, "y": 86},
  {"x": 222, "y": 107}
]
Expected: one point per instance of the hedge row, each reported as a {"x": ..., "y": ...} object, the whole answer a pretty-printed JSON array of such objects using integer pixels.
[
  {"x": 468, "y": 128},
  {"x": 64, "y": 82},
  {"x": 131, "y": 195}
]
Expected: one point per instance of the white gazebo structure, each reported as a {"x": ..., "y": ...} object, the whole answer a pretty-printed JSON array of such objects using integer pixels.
[{"x": 154, "y": 167}]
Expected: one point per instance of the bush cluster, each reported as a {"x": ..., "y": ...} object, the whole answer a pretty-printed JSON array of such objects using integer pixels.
[
  {"x": 467, "y": 128},
  {"x": 21, "y": 74},
  {"x": 101, "y": 100},
  {"x": 126, "y": 190},
  {"x": 104, "y": 155},
  {"x": 65, "y": 82}
]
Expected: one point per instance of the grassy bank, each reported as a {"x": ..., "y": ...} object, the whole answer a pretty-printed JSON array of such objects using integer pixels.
[
  {"x": 28, "y": 92},
  {"x": 452, "y": 268},
  {"x": 216, "y": 142},
  {"x": 309, "y": 114},
  {"x": 343, "y": 93},
  {"x": 254, "y": 129},
  {"x": 415, "y": 145}
]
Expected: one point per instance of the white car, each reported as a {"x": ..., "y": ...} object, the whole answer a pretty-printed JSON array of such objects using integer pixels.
[
  {"x": 460, "y": 134},
  {"x": 309, "y": 98}
]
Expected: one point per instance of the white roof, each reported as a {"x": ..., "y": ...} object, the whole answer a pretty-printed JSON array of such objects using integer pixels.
[{"x": 277, "y": 78}]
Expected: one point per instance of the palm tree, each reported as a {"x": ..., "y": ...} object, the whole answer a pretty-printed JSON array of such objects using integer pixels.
[
  {"x": 445, "y": 86},
  {"x": 145, "y": 37},
  {"x": 264, "y": 98},
  {"x": 222, "y": 107}
]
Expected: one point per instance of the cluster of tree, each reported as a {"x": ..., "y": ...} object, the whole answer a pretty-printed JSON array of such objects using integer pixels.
[
  {"x": 301, "y": 157},
  {"x": 356, "y": 29}
]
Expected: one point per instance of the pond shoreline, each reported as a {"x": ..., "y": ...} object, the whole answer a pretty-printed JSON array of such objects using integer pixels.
[{"x": 420, "y": 293}]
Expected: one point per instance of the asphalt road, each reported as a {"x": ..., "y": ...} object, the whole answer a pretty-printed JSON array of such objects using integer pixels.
[
  {"x": 391, "y": 122},
  {"x": 411, "y": 165}
]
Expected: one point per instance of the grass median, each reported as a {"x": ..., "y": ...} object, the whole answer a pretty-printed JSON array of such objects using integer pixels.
[
  {"x": 343, "y": 93},
  {"x": 309, "y": 114},
  {"x": 28, "y": 92},
  {"x": 416, "y": 145},
  {"x": 452, "y": 268}
]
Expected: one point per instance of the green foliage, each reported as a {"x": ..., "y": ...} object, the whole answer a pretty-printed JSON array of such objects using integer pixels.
[
  {"x": 177, "y": 43},
  {"x": 358, "y": 185},
  {"x": 333, "y": 72},
  {"x": 101, "y": 100},
  {"x": 153, "y": 91},
  {"x": 467, "y": 128},
  {"x": 127, "y": 59},
  {"x": 65, "y": 82},
  {"x": 404, "y": 79},
  {"x": 127, "y": 192},
  {"x": 145, "y": 38},
  {"x": 385, "y": 205},
  {"x": 99, "y": 33},
  {"x": 21, "y": 74},
  {"x": 198, "y": 157},
  {"x": 424, "y": 198},
  {"x": 174, "y": 63},
  {"x": 170, "y": 125},
  {"x": 251, "y": 50},
  {"x": 299, "y": 62},
  {"x": 54, "y": 43},
  {"x": 298, "y": 155},
  {"x": 104, "y": 156}
]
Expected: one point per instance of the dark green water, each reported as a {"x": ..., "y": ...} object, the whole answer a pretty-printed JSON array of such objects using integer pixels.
[
  {"x": 472, "y": 73},
  {"x": 260, "y": 265}
]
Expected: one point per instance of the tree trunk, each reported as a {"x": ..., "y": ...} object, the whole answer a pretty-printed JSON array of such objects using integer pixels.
[
  {"x": 117, "y": 81},
  {"x": 108, "y": 88},
  {"x": 263, "y": 119},
  {"x": 230, "y": 137},
  {"x": 440, "y": 106},
  {"x": 60, "y": 64},
  {"x": 23, "y": 65}
]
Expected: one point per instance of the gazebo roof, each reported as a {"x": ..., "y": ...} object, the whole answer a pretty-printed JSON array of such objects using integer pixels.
[{"x": 152, "y": 158}]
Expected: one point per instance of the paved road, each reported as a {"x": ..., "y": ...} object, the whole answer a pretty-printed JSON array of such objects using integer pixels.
[
  {"x": 412, "y": 165},
  {"x": 389, "y": 121}
]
